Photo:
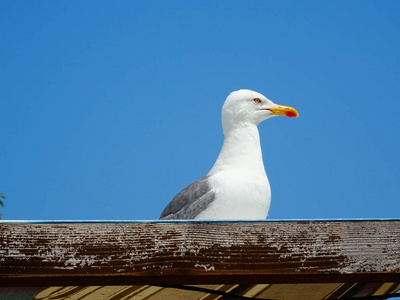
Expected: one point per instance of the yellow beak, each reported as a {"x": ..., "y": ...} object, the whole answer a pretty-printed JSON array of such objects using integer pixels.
[{"x": 284, "y": 111}]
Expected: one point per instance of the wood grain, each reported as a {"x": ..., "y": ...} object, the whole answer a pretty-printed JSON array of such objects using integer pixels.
[{"x": 199, "y": 253}]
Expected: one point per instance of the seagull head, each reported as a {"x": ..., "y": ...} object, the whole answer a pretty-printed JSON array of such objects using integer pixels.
[{"x": 246, "y": 106}]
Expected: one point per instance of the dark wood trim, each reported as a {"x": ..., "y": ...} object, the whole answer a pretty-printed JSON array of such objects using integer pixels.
[{"x": 199, "y": 253}]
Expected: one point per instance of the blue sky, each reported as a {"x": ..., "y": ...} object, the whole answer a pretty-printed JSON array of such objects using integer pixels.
[{"x": 109, "y": 108}]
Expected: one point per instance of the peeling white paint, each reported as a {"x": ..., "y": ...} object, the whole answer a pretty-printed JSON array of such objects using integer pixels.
[{"x": 207, "y": 267}]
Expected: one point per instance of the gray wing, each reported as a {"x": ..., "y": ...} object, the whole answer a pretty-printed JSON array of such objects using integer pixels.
[{"x": 190, "y": 202}]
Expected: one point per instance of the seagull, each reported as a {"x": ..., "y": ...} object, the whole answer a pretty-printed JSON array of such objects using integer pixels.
[{"x": 237, "y": 187}]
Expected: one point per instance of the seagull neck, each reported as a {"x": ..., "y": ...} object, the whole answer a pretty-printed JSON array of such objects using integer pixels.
[{"x": 241, "y": 150}]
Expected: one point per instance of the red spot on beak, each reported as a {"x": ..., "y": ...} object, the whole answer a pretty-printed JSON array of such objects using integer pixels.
[{"x": 291, "y": 114}]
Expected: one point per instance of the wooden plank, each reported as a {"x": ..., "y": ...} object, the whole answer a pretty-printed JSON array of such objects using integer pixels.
[{"x": 199, "y": 253}]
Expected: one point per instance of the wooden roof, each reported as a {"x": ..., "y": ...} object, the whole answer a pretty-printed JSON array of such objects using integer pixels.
[
  {"x": 137, "y": 260},
  {"x": 309, "y": 291}
]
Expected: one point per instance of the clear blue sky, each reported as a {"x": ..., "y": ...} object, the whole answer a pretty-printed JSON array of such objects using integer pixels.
[{"x": 109, "y": 108}]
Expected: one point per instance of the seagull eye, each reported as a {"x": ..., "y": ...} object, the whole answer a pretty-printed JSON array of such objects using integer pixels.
[{"x": 257, "y": 100}]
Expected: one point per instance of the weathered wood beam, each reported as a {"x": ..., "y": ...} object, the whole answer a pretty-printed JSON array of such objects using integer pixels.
[{"x": 199, "y": 252}]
